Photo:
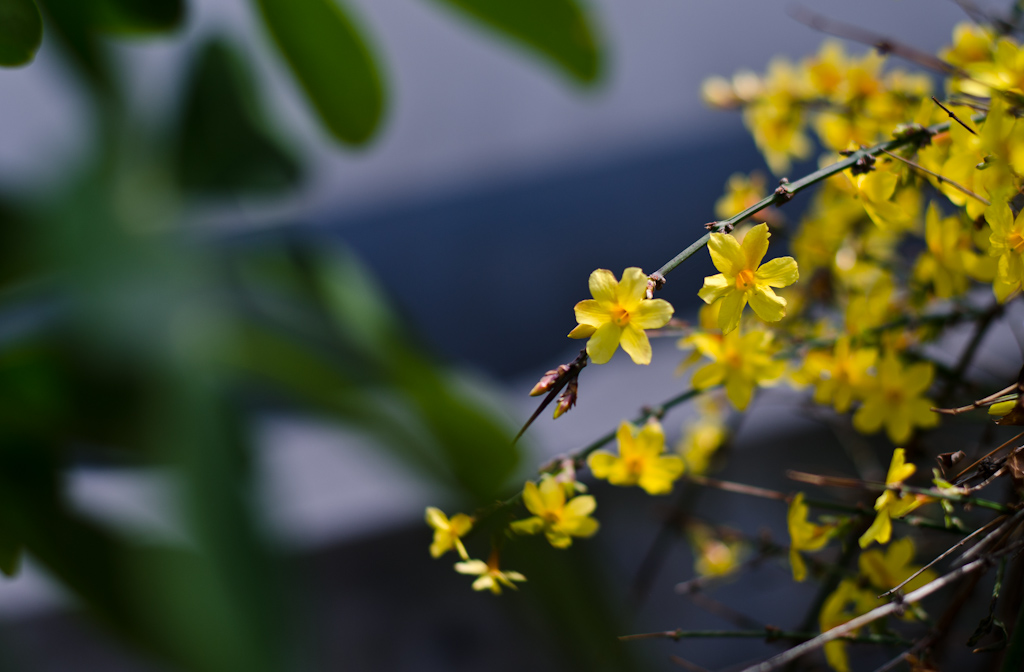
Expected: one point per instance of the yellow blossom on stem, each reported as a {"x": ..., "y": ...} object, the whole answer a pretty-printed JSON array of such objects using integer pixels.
[
  {"x": 741, "y": 192},
  {"x": 887, "y": 570},
  {"x": 890, "y": 505},
  {"x": 950, "y": 260},
  {"x": 447, "y": 532},
  {"x": 740, "y": 362},
  {"x": 715, "y": 555},
  {"x": 641, "y": 460},
  {"x": 875, "y": 190},
  {"x": 491, "y": 577},
  {"x": 804, "y": 535},
  {"x": 744, "y": 279},
  {"x": 1007, "y": 244},
  {"x": 839, "y": 377},
  {"x": 618, "y": 315},
  {"x": 558, "y": 518},
  {"x": 847, "y": 602},
  {"x": 895, "y": 400},
  {"x": 702, "y": 438}
]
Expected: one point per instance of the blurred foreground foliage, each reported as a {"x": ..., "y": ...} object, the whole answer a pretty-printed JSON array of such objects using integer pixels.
[{"x": 132, "y": 335}]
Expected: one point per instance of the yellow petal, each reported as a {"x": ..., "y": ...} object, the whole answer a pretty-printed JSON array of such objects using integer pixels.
[
  {"x": 636, "y": 344},
  {"x": 580, "y": 507},
  {"x": 651, "y": 314},
  {"x": 798, "y": 565},
  {"x": 781, "y": 272},
  {"x": 755, "y": 245},
  {"x": 592, "y": 312},
  {"x": 632, "y": 288},
  {"x": 436, "y": 518},
  {"x": 461, "y": 524},
  {"x": 552, "y": 494},
  {"x": 471, "y": 567},
  {"x": 726, "y": 254},
  {"x": 650, "y": 440},
  {"x": 582, "y": 331},
  {"x": 527, "y": 525},
  {"x": 769, "y": 306},
  {"x": 601, "y": 463},
  {"x": 708, "y": 376},
  {"x": 532, "y": 500},
  {"x": 917, "y": 378},
  {"x": 603, "y": 286},
  {"x": 731, "y": 311},
  {"x": 715, "y": 287},
  {"x": 605, "y": 341},
  {"x": 880, "y": 530},
  {"x": 739, "y": 390}
]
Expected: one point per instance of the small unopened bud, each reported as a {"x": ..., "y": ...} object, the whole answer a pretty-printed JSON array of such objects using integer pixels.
[
  {"x": 548, "y": 380},
  {"x": 568, "y": 398}
]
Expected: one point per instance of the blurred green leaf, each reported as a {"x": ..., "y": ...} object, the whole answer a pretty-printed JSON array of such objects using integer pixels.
[
  {"x": 332, "y": 60},
  {"x": 558, "y": 30},
  {"x": 21, "y": 31},
  {"x": 225, "y": 146},
  {"x": 73, "y": 22},
  {"x": 139, "y": 16}
]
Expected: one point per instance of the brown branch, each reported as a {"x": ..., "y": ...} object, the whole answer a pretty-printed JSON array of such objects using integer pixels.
[{"x": 940, "y": 178}]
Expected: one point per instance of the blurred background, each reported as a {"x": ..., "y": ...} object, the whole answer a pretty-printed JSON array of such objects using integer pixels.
[{"x": 278, "y": 275}]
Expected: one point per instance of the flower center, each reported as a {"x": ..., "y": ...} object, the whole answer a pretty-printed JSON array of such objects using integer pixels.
[
  {"x": 619, "y": 316},
  {"x": 744, "y": 279},
  {"x": 1016, "y": 242}
]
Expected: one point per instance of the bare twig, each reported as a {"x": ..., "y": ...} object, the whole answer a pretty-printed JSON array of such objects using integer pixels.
[
  {"x": 952, "y": 115},
  {"x": 844, "y": 630},
  {"x": 937, "y": 176}
]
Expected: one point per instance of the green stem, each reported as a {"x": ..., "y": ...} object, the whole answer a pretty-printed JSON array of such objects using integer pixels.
[{"x": 788, "y": 189}]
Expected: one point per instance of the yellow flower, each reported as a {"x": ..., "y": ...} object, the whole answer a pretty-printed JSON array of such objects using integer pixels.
[
  {"x": 804, "y": 535},
  {"x": 641, "y": 460},
  {"x": 714, "y": 555},
  {"x": 701, "y": 439},
  {"x": 618, "y": 314},
  {"x": 447, "y": 532},
  {"x": 743, "y": 279},
  {"x": 741, "y": 193},
  {"x": 847, "y": 602},
  {"x": 875, "y": 190},
  {"x": 887, "y": 570},
  {"x": 838, "y": 377},
  {"x": 490, "y": 576},
  {"x": 741, "y": 362},
  {"x": 1007, "y": 243},
  {"x": 950, "y": 260},
  {"x": 889, "y": 505},
  {"x": 895, "y": 400},
  {"x": 560, "y": 520}
]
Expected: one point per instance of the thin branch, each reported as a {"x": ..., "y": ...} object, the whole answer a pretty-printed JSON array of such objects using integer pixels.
[
  {"x": 844, "y": 630},
  {"x": 883, "y": 44},
  {"x": 946, "y": 553},
  {"x": 787, "y": 190},
  {"x": 769, "y": 634},
  {"x": 940, "y": 178},
  {"x": 952, "y": 115}
]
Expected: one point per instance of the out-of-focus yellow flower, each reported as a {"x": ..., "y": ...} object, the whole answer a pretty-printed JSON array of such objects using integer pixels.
[
  {"x": 889, "y": 505},
  {"x": 714, "y": 555},
  {"x": 560, "y": 520},
  {"x": 744, "y": 279},
  {"x": 872, "y": 308},
  {"x": 847, "y": 602},
  {"x": 950, "y": 260},
  {"x": 971, "y": 44},
  {"x": 895, "y": 400},
  {"x": 447, "y": 532},
  {"x": 839, "y": 377},
  {"x": 618, "y": 315},
  {"x": 740, "y": 362},
  {"x": 775, "y": 116},
  {"x": 641, "y": 460},
  {"x": 702, "y": 438},
  {"x": 887, "y": 570},
  {"x": 741, "y": 192},
  {"x": 804, "y": 535},
  {"x": 875, "y": 190},
  {"x": 490, "y": 576},
  {"x": 1007, "y": 245}
]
